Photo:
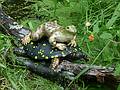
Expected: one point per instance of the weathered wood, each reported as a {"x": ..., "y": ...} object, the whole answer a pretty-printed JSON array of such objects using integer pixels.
[
  {"x": 68, "y": 71},
  {"x": 9, "y": 26}
]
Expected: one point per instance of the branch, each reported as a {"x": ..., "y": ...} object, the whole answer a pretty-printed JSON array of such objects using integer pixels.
[
  {"x": 68, "y": 71},
  {"x": 10, "y": 27}
]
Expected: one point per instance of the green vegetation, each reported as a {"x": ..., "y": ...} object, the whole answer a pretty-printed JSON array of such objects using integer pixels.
[{"x": 100, "y": 41}]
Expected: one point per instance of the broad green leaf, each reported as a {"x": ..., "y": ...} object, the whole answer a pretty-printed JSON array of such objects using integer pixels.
[
  {"x": 30, "y": 23},
  {"x": 106, "y": 35},
  {"x": 115, "y": 15}
]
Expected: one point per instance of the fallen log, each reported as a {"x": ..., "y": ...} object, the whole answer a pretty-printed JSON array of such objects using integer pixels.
[
  {"x": 68, "y": 72},
  {"x": 10, "y": 27},
  {"x": 93, "y": 73}
]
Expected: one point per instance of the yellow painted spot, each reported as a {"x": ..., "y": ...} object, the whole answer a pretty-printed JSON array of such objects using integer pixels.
[
  {"x": 36, "y": 57},
  {"x": 51, "y": 52},
  {"x": 52, "y": 56},
  {"x": 43, "y": 55},
  {"x": 33, "y": 46},
  {"x": 56, "y": 56},
  {"x": 46, "y": 57},
  {"x": 44, "y": 44},
  {"x": 79, "y": 48},
  {"x": 75, "y": 49},
  {"x": 63, "y": 53},
  {"x": 31, "y": 43},
  {"x": 43, "y": 51}
]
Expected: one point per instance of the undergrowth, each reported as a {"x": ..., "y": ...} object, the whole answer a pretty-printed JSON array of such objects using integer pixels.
[{"x": 98, "y": 34}]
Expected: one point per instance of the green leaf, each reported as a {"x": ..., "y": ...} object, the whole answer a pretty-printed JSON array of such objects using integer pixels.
[
  {"x": 96, "y": 28},
  {"x": 118, "y": 33},
  {"x": 106, "y": 35},
  {"x": 30, "y": 23},
  {"x": 117, "y": 70},
  {"x": 114, "y": 17},
  {"x": 64, "y": 21},
  {"x": 49, "y": 3},
  {"x": 14, "y": 85},
  {"x": 1, "y": 65}
]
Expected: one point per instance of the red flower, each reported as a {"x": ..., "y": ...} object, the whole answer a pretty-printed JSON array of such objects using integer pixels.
[{"x": 91, "y": 37}]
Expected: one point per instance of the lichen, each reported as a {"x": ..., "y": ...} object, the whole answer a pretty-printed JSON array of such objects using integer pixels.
[{"x": 15, "y": 25}]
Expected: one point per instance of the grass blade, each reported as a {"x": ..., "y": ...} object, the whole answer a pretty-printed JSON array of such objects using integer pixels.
[{"x": 114, "y": 17}]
